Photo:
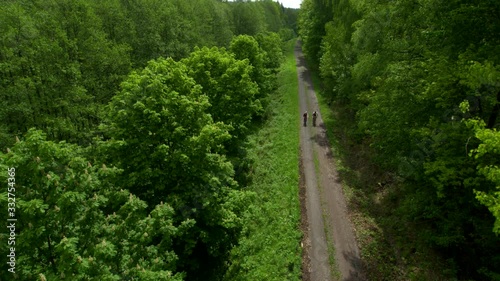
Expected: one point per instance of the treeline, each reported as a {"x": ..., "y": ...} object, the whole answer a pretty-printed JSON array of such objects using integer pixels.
[
  {"x": 61, "y": 60},
  {"x": 420, "y": 82},
  {"x": 125, "y": 122}
]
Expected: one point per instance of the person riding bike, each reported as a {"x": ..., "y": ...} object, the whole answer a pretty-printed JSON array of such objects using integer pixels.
[{"x": 315, "y": 115}]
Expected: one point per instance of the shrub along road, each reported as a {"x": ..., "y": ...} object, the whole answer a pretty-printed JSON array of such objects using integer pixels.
[{"x": 330, "y": 241}]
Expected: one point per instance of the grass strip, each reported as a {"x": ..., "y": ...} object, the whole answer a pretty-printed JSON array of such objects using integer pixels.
[{"x": 269, "y": 248}]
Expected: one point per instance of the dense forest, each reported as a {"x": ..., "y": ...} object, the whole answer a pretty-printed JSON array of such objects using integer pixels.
[
  {"x": 123, "y": 129},
  {"x": 419, "y": 85}
]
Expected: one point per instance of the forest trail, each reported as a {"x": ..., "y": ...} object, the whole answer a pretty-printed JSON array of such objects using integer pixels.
[{"x": 326, "y": 210}]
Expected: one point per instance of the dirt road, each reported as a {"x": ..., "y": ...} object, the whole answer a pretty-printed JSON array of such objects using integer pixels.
[{"x": 326, "y": 210}]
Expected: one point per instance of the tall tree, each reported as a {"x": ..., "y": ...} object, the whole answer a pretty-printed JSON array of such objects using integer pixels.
[
  {"x": 226, "y": 82},
  {"x": 74, "y": 222},
  {"x": 170, "y": 150}
]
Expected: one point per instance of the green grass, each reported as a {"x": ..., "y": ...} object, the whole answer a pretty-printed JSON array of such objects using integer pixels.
[{"x": 270, "y": 247}]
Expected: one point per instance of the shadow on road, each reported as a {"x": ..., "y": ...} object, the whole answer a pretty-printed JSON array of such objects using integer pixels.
[
  {"x": 357, "y": 264},
  {"x": 322, "y": 141},
  {"x": 301, "y": 62}
]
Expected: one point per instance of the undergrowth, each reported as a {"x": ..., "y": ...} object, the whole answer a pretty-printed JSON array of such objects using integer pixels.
[{"x": 269, "y": 248}]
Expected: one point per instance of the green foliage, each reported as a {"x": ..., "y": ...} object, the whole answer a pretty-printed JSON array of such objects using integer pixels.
[
  {"x": 248, "y": 18},
  {"x": 290, "y": 18},
  {"x": 166, "y": 28},
  {"x": 62, "y": 63},
  {"x": 159, "y": 125},
  {"x": 311, "y": 30},
  {"x": 269, "y": 248},
  {"x": 73, "y": 222},
  {"x": 56, "y": 66},
  {"x": 227, "y": 83},
  {"x": 486, "y": 155},
  {"x": 170, "y": 149},
  {"x": 253, "y": 17},
  {"x": 490, "y": 148},
  {"x": 247, "y": 47},
  {"x": 271, "y": 45},
  {"x": 233, "y": 96}
]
